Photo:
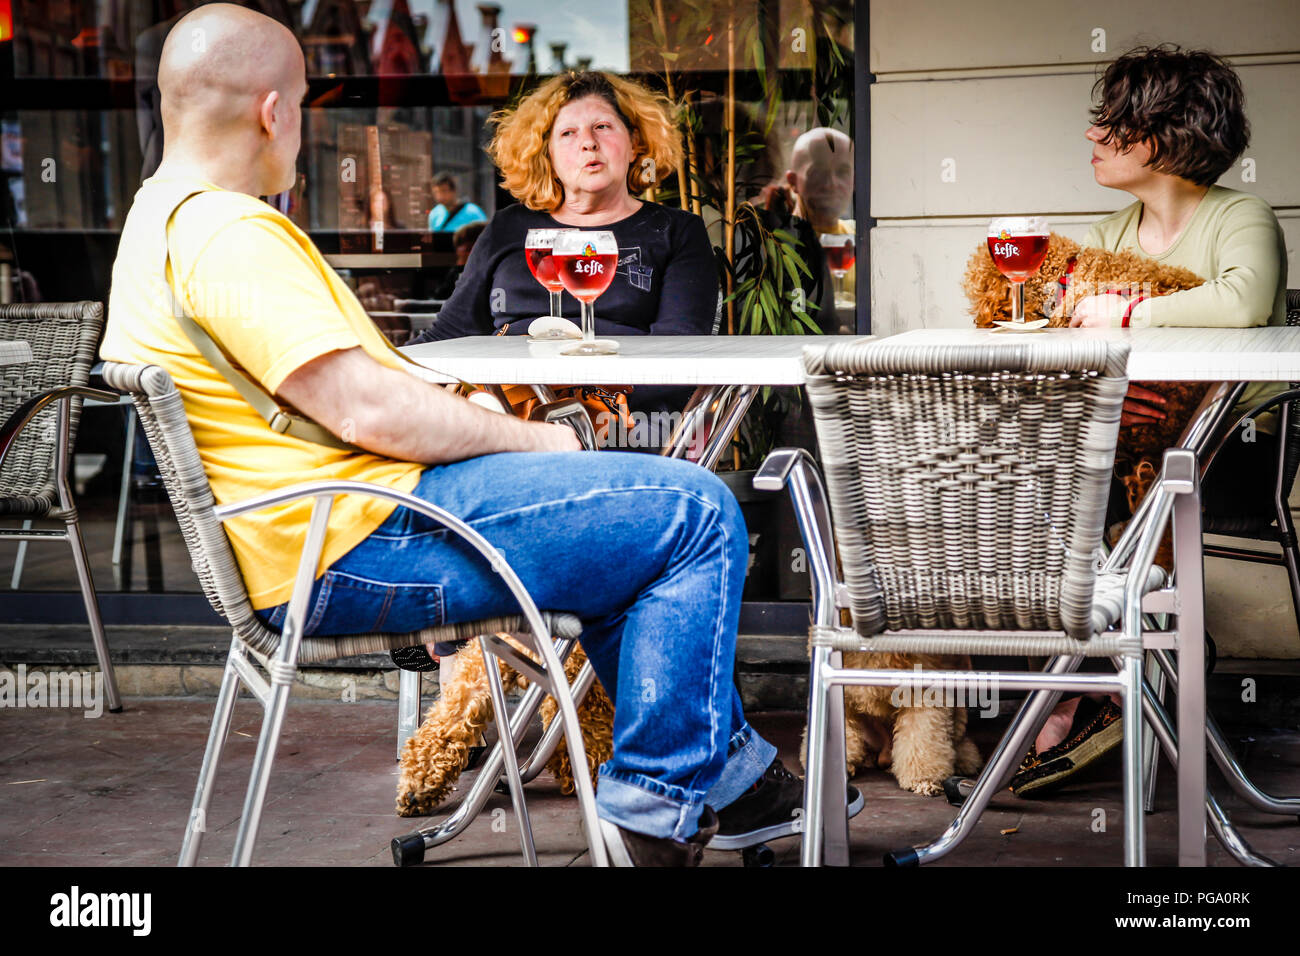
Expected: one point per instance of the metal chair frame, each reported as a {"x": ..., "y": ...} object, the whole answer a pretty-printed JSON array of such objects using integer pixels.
[
  {"x": 44, "y": 492},
  {"x": 1176, "y": 497},
  {"x": 266, "y": 662}
]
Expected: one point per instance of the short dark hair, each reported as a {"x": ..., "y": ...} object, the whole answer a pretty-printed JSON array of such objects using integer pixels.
[
  {"x": 1187, "y": 103},
  {"x": 445, "y": 179}
]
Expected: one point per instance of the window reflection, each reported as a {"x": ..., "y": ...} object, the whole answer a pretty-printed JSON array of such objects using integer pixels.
[{"x": 400, "y": 92}]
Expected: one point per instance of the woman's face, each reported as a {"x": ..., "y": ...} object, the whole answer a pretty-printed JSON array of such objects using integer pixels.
[
  {"x": 1119, "y": 170},
  {"x": 590, "y": 148}
]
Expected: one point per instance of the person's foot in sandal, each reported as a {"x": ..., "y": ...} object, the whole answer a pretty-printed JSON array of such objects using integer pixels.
[{"x": 1095, "y": 729}]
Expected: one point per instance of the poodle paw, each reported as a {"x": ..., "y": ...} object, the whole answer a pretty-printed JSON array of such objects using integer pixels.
[{"x": 926, "y": 788}]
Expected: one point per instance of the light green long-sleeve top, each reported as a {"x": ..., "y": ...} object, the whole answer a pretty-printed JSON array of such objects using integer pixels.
[{"x": 1234, "y": 242}]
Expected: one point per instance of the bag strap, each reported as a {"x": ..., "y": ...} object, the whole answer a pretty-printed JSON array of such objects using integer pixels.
[{"x": 279, "y": 419}]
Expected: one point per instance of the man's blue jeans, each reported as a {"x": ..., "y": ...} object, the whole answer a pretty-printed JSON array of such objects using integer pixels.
[{"x": 649, "y": 552}]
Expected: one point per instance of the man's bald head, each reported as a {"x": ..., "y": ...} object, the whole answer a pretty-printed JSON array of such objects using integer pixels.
[
  {"x": 821, "y": 172},
  {"x": 821, "y": 145},
  {"x": 232, "y": 76}
]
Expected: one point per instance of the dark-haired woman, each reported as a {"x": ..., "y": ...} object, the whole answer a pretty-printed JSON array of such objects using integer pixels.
[{"x": 1168, "y": 123}]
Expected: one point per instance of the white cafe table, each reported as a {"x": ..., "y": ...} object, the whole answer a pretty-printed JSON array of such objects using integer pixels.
[
  {"x": 726, "y": 370},
  {"x": 1262, "y": 354}
]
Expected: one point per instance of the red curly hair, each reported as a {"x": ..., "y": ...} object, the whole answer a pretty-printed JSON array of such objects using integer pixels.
[{"x": 520, "y": 145}]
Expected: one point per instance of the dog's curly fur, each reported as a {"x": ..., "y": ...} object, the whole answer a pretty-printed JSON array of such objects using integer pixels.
[
  {"x": 595, "y": 714},
  {"x": 1140, "y": 449},
  {"x": 920, "y": 746},
  {"x": 437, "y": 752}
]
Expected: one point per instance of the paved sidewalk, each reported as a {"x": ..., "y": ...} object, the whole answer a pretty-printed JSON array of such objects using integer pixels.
[{"x": 116, "y": 791}]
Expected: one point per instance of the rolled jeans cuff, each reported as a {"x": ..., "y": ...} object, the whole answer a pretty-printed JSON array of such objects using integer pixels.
[{"x": 645, "y": 805}]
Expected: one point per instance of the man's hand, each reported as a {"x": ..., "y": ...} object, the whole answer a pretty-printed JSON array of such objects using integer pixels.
[
  {"x": 396, "y": 415},
  {"x": 1099, "y": 311},
  {"x": 1139, "y": 407}
]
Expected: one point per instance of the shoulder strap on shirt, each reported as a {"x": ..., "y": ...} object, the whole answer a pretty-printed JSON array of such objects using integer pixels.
[{"x": 279, "y": 418}]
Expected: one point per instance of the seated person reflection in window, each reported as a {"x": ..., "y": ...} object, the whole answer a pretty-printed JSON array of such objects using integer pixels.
[{"x": 808, "y": 201}]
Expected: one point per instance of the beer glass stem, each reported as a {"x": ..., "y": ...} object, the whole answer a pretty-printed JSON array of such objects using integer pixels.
[
  {"x": 555, "y": 305},
  {"x": 588, "y": 321},
  {"x": 1017, "y": 302}
]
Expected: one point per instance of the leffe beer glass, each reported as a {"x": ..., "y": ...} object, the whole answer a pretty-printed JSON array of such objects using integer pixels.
[
  {"x": 1018, "y": 245},
  {"x": 840, "y": 255},
  {"x": 538, "y": 247},
  {"x": 585, "y": 262}
]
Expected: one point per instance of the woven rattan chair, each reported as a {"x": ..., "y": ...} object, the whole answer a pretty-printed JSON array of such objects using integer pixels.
[
  {"x": 254, "y": 646},
  {"x": 40, "y": 401},
  {"x": 967, "y": 492}
]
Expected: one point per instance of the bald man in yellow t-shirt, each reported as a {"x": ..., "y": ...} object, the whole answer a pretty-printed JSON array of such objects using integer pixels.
[{"x": 650, "y": 553}]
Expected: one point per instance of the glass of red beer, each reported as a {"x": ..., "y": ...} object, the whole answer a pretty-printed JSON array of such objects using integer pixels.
[
  {"x": 585, "y": 262},
  {"x": 537, "y": 249},
  {"x": 840, "y": 255},
  {"x": 1018, "y": 245}
]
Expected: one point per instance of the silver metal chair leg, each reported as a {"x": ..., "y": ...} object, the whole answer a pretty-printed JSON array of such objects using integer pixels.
[
  {"x": 275, "y": 698},
  {"x": 505, "y": 734},
  {"x": 92, "y": 615},
  {"x": 1189, "y": 565},
  {"x": 545, "y": 748},
  {"x": 815, "y": 766},
  {"x": 486, "y": 780},
  {"x": 996, "y": 775},
  {"x": 835, "y": 820},
  {"x": 1134, "y": 821},
  {"x": 408, "y": 706},
  {"x": 220, "y": 730},
  {"x": 61, "y": 468},
  {"x": 250, "y": 820},
  {"x": 407, "y": 851},
  {"x": 1155, "y": 677}
]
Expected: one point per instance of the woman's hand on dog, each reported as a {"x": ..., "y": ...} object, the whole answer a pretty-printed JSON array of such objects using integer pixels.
[
  {"x": 1139, "y": 406},
  {"x": 1099, "y": 311}
]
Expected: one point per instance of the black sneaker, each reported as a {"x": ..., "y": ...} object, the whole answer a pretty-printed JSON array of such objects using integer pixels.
[
  {"x": 627, "y": 848},
  {"x": 772, "y": 808}
]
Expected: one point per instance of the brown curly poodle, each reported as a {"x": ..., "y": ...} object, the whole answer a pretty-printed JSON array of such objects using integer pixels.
[
  {"x": 438, "y": 751},
  {"x": 921, "y": 744},
  {"x": 1068, "y": 274}
]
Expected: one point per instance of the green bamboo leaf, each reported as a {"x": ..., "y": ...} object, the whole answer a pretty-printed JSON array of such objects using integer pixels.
[
  {"x": 807, "y": 320},
  {"x": 789, "y": 263},
  {"x": 801, "y": 265}
]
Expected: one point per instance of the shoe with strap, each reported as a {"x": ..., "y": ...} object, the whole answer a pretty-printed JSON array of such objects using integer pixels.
[{"x": 1095, "y": 731}]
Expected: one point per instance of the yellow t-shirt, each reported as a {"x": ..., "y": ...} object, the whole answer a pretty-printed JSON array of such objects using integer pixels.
[{"x": 256, "y": 283}]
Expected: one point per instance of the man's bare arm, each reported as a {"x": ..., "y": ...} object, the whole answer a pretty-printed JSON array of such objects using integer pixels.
[{"x": 398, "y": 416}]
